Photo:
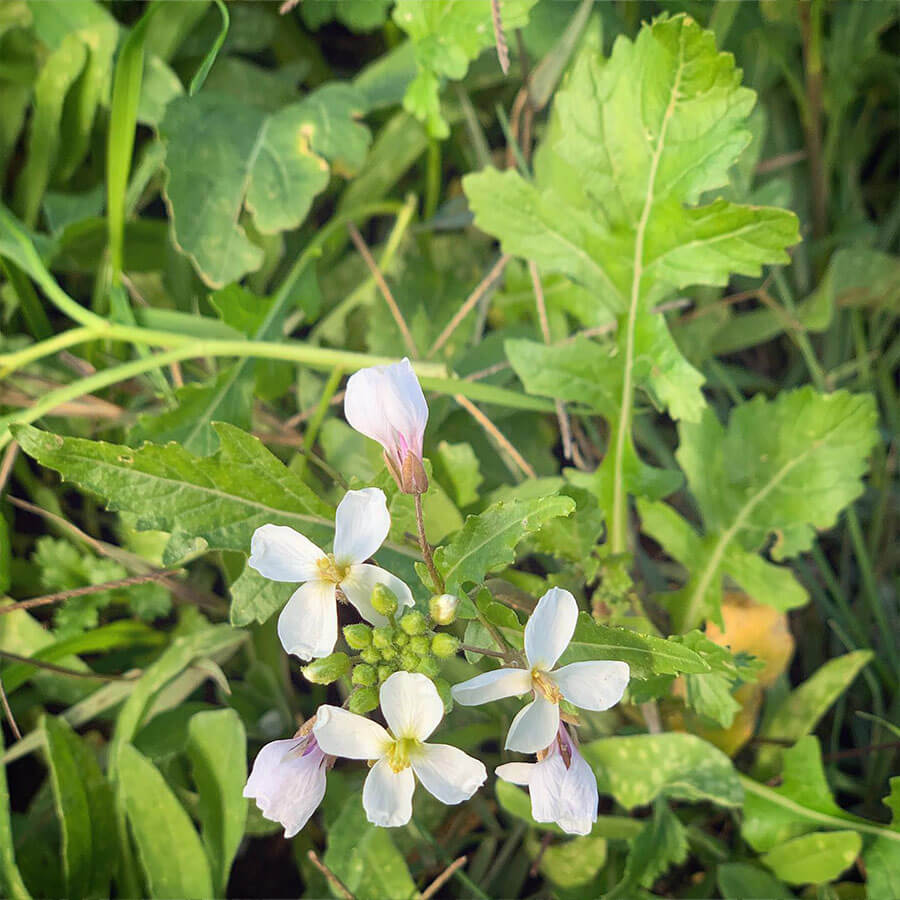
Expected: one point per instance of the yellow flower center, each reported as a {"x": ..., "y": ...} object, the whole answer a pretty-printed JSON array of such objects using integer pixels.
[
  {"x": 400, "y": 751},
  {"x": 545, "y": 685},
  {"x": 330, "y": 570}
]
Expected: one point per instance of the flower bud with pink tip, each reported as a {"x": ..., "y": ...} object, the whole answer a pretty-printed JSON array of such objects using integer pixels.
[{"x": 386, "y": 404}]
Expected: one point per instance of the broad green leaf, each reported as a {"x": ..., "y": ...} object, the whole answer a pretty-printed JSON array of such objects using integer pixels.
[
  {"x": 224, "y": 156},
  {"x": 785, "y": 467},
  {"x": 168, "y": 847},
  {"x": 817, "y": 858},
  {"x": 11, "y": 882},
  {"x": 882, "y": 856},
  {"x": 219, "y": 500},
  {"x": 458, "y": 467},
  {"x": 365, "y": 857},
  {"x": 255, "y": 599},
  {"x": 738, "y": 881},
  {"x": 357, "y": 15},
  {"x": 84, "y": 807},
  {"x": 800, "y": 712},
  {"x": 217, "y": 749},
  {"x": 448, "y": 35},
  {"x": 570, "y": 863},
  {"x": 638, "y": 769},
  {"x": 487, "y": 542},
  {"x": 661, "y": 844}
]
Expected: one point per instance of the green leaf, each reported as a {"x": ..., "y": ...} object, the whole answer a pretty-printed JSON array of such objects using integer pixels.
[
  {"x": 638, "y": 769},
  {"x": 168, "y": 847},
  {"x": 11, "y": 882},
  {"x": 661, "y": 844},
  {"x": 487, "y": 542},
  {"x": 816, "y": 858},
  {"x": 365, "y": 857},
  {"x": 255, "y": 599},
  {"x": 458, "y": 467},
  {"x": 646, "y": 654},
  {"x": 785, "y": 467},
  {"x": 219, "y": 500},
  {"x": 738, "y": 881},
  {"x": 224, "y": 156},
  {"x": 882, "y": 856},
  {"x": 447, "y": 35},
  {"x": 570, "y": 863},
  {"x": 217, "y": 749},
  {"x": 84, "y": 807},
  {"x": 799, "y": 713}
]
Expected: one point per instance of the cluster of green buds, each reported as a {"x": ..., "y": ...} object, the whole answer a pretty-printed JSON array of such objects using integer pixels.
[{"x": 407, "y": 642}]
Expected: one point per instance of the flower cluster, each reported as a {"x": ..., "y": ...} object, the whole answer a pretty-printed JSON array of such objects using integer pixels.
[{"x": 397, "y": 653}]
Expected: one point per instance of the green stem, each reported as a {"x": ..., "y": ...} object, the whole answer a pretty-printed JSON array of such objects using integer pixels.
[{"x": 312, "y": 430}]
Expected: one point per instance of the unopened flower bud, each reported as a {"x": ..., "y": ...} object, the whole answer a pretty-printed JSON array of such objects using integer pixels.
[
  {"x": 363, "y": 701},
  {"x": 385, "y": 671},
  {"x": 327, "y": 669},
  {"x": 420, "y": 644},
  {"x": 401, "y": 638},
  {"x": 409, "y": 660},
  {"x": 383, "y": 637},
  {"x": 364, "y": 675},
  {"x": 384, "y": 600},
  {"x": 388, "y": 653},
  {"x": 444, "y": 645},
  {"x": 371, "y": 656},
  {"x": 358, "y": 636},
  {"x": 443, "y": 608},
  {"x": 414, "y": 623},
  {"x": 429, "y": 666}
]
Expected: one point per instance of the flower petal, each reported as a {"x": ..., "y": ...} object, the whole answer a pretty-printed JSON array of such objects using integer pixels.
[
  {"x": 595, "y": 684},
  {"x": 535, "y": 726},
  {"x": 516, "y": 772},
  {"x": 411, "y": 705},
  {"x": 493, "y": 685},
  {"x": 550, "y": 628},
  {"x": 387, "y": 795},
  {"x": 386, "y": 403},
  {"x": 307, "y": 625},
  {"x": 342, "y": 733},
  {"x": 359, "y": 583},
  {"x": 282, "y": 554},
  {"x": 447, "y": 773},
  {"x": 287, "y": 783},
  {"x": 361, "y": 524},
  {"x": 565, "y": 796}
]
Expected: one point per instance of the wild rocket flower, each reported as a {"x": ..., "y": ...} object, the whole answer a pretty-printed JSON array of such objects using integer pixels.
[
  {"x": 594, "y": 685},
  {"x": 288, "y": 781},
  {"x": 386, "y": 404},
  {"x": 412, "y": 709},
  {"x": 308, "y": 624},
  {"x": 562, "y": 785}
]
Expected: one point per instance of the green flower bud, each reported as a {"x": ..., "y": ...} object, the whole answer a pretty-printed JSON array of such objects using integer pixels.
[
  {"x": 444, "y": 645},
  {"x": 388, "y": 653},
  {"x": 363, "y": 701},
  {"x": 429, "y": 666},
  {"x": 414, "y": 623},
  {"x": 385, "y": 672},
  {"x": 401, "y": 638},
  {"x": 364, "y": 675},
  {"x": 443, "y": 689},
  {"x": 384, "y": 600},
  {"x": 358, "y": 636},
  {"x": 443, "y": 608},
  {"x": 420, "y": 644},
  {"x": 383, "y": 637},
  {"x": 409, "y": 660},
  {"x": 371, "y": 656},
  {"x": 327, "y": 669}
]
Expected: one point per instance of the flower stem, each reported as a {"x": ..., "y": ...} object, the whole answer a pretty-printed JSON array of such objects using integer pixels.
[
  {"x": 436, "y": 578},
  {"x": 485, "y": 652}
]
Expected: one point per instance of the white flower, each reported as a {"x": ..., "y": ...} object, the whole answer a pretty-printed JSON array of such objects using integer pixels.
[
  {"x": 562, "y": 786},
  {"x": 308, "y": 624},
  {"x": 288, "y": 781},
  {"x": 412, "y": 708},
  {"x": 443, "y": 608},
  {"x": 386, "y": 403},
  {"x": 595, "y": 685}
]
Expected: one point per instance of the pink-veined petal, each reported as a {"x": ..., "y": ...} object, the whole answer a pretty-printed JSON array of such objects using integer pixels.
[
  {"x": 594, "y": 684},
  {"x": 279, "y": 553},
  {"x": 447, "y": 772},
  {"x": 307, "y": 625},
  {"x": 534, "y": 727},
  {"x": 411, "y": 705},
  {"x": 361, "y": 580},
  {"x": 493, "y": 685},
  {"x": 361, "y": 524},
  {"x": 550, "y": 628},
  {"x": 343, "y": 733},
  {"x": 387, "y": 795}
]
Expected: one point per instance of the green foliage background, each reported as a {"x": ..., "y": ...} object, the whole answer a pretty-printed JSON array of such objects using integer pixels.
[{"x": 649, "y": 279}]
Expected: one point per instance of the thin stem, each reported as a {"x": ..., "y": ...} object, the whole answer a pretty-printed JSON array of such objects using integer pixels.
[
  {"x": 9, "y": 716},
  {"x": 332, "y": 879},
  {"x": 443, "y": 878},
  {"x": 484, "y": 651},
  {"x": 63, "y": 670},
  {"x": 436, "y": 577},
  {"x": 497, "y": 435},
  {"x": 459, "y": 873},
  {"x": 9, "y": 363},
  {"x": 312, "y": 430}
]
